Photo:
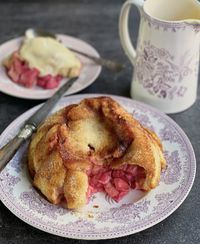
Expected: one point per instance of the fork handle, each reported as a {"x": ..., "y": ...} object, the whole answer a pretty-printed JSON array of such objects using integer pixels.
[{"x": 111, "y": 65}]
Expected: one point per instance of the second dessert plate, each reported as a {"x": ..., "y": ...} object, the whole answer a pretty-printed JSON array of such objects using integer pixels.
[{"x": 89, "y": 72}]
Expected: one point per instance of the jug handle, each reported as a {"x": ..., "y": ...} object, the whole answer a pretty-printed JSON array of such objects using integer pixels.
[{"x": 123, "y": 28}]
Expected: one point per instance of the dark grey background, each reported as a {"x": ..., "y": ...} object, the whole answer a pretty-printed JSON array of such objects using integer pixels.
[{"x": 97, "y": 23}]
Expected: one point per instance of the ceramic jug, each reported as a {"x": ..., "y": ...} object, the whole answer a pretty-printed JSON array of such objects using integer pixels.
[{"x": 166, "y": 59}]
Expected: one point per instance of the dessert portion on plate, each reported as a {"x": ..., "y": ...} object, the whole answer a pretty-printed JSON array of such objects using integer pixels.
[
  {"x": 42, "y": 61},
  {"x": 93, "y": 146}
]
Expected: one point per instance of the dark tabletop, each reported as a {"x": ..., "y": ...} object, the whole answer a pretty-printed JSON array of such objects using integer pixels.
[{"x": 97, "y": 23}]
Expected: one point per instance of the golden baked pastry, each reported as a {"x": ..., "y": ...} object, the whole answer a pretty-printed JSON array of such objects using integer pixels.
[{"x": 90, "y": 147}]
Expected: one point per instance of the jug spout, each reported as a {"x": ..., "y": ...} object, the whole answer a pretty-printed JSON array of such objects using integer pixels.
[
  {"x": 192, "y": 21},
  {"x": 174, "y": 10},
  {"x": 193, "y": 12}
]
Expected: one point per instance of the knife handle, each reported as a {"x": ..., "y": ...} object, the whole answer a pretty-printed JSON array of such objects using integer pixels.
[{"x": 9, "y": 150}]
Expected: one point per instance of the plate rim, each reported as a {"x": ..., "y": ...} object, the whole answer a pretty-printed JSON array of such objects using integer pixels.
[
  {"x": 61, "y": 35},
  {"x": 164, "y": 215}
]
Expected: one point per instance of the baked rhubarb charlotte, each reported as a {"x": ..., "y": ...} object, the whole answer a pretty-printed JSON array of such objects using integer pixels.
[
  {"x": 93, "y": 146},
  {"x": 43, "y": 62}
]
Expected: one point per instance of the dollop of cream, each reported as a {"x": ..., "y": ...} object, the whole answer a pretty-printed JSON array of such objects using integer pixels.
[{"x": 49, "y": 56}]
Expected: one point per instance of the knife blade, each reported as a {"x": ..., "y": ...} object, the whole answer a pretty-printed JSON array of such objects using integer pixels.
[{"x": 30, "y": 125}]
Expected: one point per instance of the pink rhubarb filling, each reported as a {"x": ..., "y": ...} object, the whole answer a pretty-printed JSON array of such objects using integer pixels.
[
  {"x": 115, "y": 182},
  {"x": 22, "y": 74}
]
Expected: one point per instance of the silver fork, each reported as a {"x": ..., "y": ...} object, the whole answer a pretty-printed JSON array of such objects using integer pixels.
[{"x": 111, "y": 65}]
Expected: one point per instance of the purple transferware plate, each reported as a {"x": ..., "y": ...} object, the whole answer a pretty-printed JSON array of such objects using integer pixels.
[{"x": 136, "y": 212}]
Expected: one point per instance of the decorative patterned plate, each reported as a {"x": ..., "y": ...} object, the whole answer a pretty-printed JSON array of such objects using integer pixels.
[
  {"x": 89, "y": 72},
  {"x": 103, "y": 218}
]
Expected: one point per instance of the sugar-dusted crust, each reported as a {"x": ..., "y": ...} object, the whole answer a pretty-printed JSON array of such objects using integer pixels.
[{"x": 95, "y": 131}]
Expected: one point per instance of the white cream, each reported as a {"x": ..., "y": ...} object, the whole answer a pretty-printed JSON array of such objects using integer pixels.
[{"x": 49, "y": 56}]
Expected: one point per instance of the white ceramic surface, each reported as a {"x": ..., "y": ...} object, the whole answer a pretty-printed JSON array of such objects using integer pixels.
[
  {"x": 89, "y": 73},
  {"x": 136, "y": 212},
  {"x": 166, "y": 59}
]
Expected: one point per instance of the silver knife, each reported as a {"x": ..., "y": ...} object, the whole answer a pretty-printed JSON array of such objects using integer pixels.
[{"x": 9, "y": 150}]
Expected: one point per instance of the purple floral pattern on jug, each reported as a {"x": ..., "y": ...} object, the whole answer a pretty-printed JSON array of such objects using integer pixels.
[{"x": 159, "y": 74}]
